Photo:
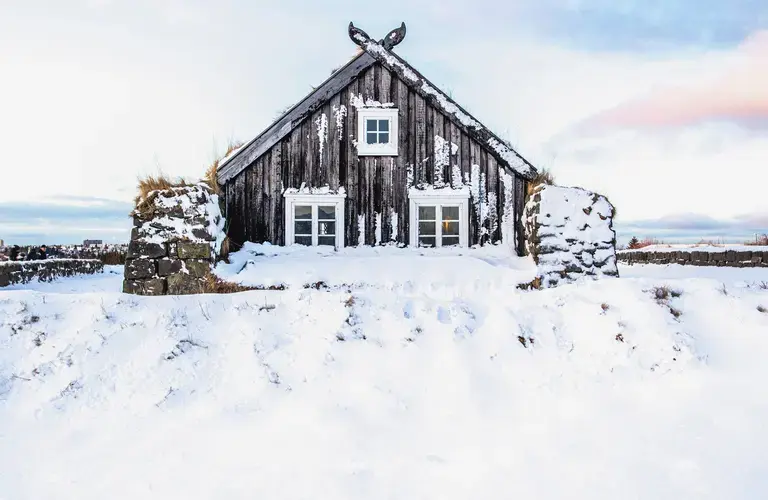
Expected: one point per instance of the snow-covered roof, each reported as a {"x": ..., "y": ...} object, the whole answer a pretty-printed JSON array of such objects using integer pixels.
[{"x": 373, "y": 52}]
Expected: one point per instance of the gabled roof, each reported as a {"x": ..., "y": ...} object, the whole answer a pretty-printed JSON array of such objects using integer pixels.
[{"x": 374, "y": 52}]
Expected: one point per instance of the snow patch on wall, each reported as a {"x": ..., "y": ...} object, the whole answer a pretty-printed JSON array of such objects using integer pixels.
[
  {"x": 357, "y": 101},
  {"x": 339, "y": 114},
  {"x": 508, "y": 235},
  {"x": 304, "y": 189},
  {"x": 361, "y": 230},
  {"x": 322, "y": 134},
  {"x": 443, "y": 151},
  {"x": 393, "y": 225},
  {"x": 377, "y": 228}
]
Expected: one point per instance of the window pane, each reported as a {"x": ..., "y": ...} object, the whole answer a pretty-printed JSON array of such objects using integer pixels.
[
  {"x": 451, "y": 228},
  {"x": 449, "y": 241},
  {"x": 370, "y": 125},
  {"x": 326, "y": 228},
  {"x": 383, "y": 125},
  {"x": 450, "y": 213},
  {"x": 328, "y": 213},
  {"x": 383, "y": 137},
  {"x": 426, "y": 213},
  {"x": 302, "y": 227},
  {"x": 303, "y": 240},
  {"x": 326, "y": 240},
  {"x": 426, "y": 241},
  {"x": 303, "y": 212},
  {"x": 426, "y": 228},
  {"x": 371, "y": 138}
]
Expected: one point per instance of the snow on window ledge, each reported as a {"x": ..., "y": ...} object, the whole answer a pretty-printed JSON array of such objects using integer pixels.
[{"x": 429, "y": 191}]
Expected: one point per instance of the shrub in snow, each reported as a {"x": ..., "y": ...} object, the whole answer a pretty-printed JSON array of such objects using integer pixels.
[
  {"x": 570, "y": 234},
  {"x": 176, "y": 236}
]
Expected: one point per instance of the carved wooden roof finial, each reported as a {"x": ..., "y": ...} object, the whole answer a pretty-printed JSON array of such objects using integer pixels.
[
  {"x": 394, "y": 37},
  {"x": 360, "y": 37}
]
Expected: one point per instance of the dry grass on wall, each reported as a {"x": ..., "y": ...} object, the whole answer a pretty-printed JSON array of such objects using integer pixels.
[
  {"x": 543, "y": 177},
  {"x": 159, "y": 182},
  {"x": 211, "y": 173}
]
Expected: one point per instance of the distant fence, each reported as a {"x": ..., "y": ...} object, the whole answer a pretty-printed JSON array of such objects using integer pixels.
[
  {"x": 12, "y": 273},
  {"x": 724, "y": 258}
]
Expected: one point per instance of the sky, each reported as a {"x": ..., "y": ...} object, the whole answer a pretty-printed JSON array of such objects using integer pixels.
[{"x": 660, "y": 105}]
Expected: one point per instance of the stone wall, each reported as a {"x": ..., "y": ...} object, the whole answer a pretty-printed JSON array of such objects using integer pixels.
[
  {"x": 726, "y": 258},
  {"x": 570, "y": 235},
  {"x": 174, "y": 241},
  {"x": 12, "y": 273}
]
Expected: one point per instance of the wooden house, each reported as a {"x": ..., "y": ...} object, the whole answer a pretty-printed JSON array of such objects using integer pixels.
[{"x": 376, "y": 154}]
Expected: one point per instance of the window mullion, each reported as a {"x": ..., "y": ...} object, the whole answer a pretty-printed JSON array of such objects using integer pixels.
[
  {"x": 314, "y": 225},
  {"x": 439, "y": 227}
]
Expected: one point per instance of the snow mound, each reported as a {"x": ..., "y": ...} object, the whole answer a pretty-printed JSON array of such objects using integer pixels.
[
  {"x": 389, "y": 267},
  {"x": 582, "y": 391}
]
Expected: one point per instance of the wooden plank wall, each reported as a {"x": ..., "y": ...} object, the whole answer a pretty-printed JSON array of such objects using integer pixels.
[{"x": 374, "y": 185}]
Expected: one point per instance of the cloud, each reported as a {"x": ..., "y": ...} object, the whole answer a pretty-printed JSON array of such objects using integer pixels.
[
  {"x": 694, "y": 227},
  {"x": 736, "y": 93},
  {"x": 65, "y": 219}
]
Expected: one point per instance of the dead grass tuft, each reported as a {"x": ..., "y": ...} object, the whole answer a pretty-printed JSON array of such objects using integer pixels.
[
  {"x": 661, "y": 293},
  {"x": 525, "y": 341},
  {"x": 211, "y": 173},
  {"x": 675, "y": 312},
  {"x": 762, "y": 309},
  {"x": 149, "y": 187},
  {"x": 543, "y": 177},
  {"x": 214, "y": 284},
  {"x": 604, "y": 307}
]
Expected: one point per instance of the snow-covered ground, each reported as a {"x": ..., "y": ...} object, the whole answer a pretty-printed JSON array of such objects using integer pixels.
[{"x": 389, "y": 388}]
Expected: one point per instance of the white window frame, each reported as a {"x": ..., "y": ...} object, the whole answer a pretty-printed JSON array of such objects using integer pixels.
[
  {"x": 438, "y": 200},
  {"x": 314, "y": 200},
  {"x": 388, "y": 149}
]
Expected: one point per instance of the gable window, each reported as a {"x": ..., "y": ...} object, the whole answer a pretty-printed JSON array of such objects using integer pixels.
[
  {"x": 377, "y": 132},
  {"x": 314, "y": 219},
  {"x": 439, "y": 218}
]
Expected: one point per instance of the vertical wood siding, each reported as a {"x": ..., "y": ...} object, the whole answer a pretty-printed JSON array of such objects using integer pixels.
[{"x": 374, "y": 185}]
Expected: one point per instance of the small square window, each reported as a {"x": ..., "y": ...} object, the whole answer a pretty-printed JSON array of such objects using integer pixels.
[
  {"x": 377, "y": 127},
  {"x": 314, "y": 220},
  {"x": 439, "y": 219}
]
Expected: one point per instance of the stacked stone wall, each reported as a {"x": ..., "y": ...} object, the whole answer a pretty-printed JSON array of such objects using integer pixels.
[
  {"x": 570, "y": 235},
  {"x": 727, "y": 258},
  {"x": 12, "y": 273},
  {"x": 174, "y": 241}
]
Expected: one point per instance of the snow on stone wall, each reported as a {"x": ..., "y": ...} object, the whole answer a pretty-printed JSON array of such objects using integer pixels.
[
  {"x": 176, "y": 235},
  {"x": 570, "y": 234}
]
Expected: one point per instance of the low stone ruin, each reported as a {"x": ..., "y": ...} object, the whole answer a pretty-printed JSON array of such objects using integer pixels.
[
  {"x": 176, "y": 236},
  {"x": 570, "y": 235},
  {"x": 13, "y": 272},
  {"x": 697, "y": 257}
]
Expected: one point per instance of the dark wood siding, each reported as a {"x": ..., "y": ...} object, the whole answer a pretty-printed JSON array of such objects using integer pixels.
[{"x": 376, "y": 187}]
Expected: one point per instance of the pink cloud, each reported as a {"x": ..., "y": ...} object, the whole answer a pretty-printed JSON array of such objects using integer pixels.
[{"x": 740, "y": 93}]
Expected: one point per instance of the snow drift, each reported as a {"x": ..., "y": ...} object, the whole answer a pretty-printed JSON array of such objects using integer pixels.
[{"x": 603, "y": 389}]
